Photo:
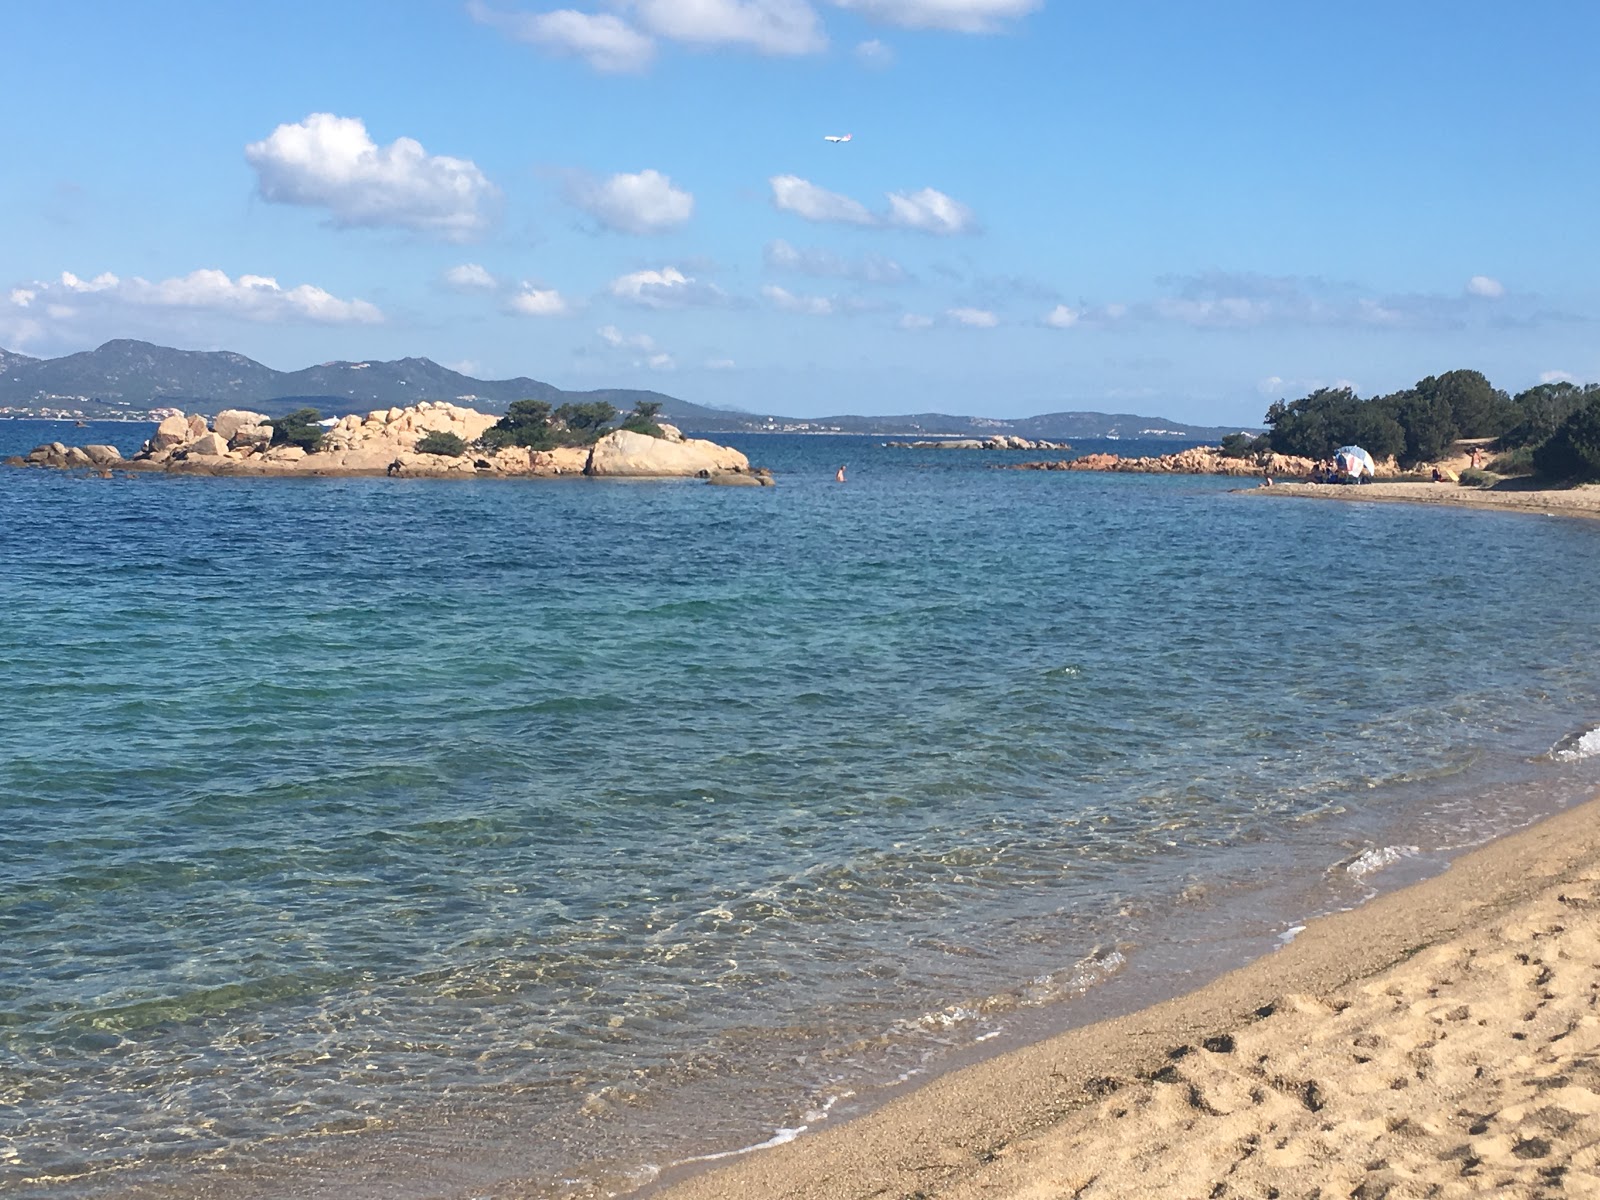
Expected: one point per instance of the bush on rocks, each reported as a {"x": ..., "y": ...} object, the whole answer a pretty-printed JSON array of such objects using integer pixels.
[
  {"x": 299, "y": 428},
  {"x": 442, "y": 442}
]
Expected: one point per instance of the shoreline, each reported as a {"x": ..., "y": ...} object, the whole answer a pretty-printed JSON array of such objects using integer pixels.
[
  {"x": 1055, "y": 1118},
  {"x": 1582, "y": 501}
]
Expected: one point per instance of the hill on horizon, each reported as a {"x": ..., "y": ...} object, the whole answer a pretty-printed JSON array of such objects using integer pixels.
[{"x": 125, "y": 379}]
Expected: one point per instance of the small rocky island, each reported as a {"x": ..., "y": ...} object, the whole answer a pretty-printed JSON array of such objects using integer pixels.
[
  {"x": 999, "y": 441},
  {"x": 429, "y": 439}
]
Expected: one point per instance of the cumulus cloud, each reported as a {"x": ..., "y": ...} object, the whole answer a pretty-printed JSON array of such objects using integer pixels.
[
  {"x": 958, "y": 16},
  {"x": 720, "y": 364},
  {"x": 1557, "y": 377},
  {"x": 531, "y": 301},
  {"x": 977, "y": 318},
  {"x": 605, "y": 41},
  {"x": 471, "y": 277},
  {"x": 779, "y": 27},
  {"x": 805, "y": 199},
  {"x": 249, "y": 297},
  {"x": 1062, "y": 317},
  {"x": 779, "y": 255},
  {"x": 1482, "y": 285},
  {"x": 642, "y": 203},
  {"x": 641, "y": 348},
  {"x": 330, "y": 162},
  {"x": 915, "y": 321},
  {"x": 666, "y": 288},
  {"x": 626, "y": 40},
  {"x": 782, "y": 298},
  {"x": 929, "y": 211}
]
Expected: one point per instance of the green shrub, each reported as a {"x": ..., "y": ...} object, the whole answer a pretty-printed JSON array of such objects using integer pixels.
[
  {"x": 643, "y": 419},
  {"x": 299, "y": 428},
  {"x": 1573, "y": 451},
  {"x": 1478, "y": 478},
  {"x": 442, "y": 442},
  {"x": 1513, "y": 462},
  {"x": 1244, "y": 445},
  {"x": 531, "y": 423}
]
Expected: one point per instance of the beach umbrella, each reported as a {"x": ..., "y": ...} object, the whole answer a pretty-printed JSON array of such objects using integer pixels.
[{"x": 1354, "y": 462}]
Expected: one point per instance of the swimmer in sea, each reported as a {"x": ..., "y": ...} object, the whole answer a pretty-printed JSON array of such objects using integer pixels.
[{"x": 839, "y": 478}]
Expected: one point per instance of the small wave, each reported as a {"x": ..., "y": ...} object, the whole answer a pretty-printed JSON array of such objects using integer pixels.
[
  {"x": 1370, "y": 862},
  {"x": 1577, "y": 746}
]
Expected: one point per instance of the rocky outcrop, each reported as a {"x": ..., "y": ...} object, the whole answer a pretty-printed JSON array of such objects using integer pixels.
[
  {"x": 384, "y": 441},
  {"x": 622, "y": 453},
  {"x": 999, "y": 441},
  {"x": 1198, "y": 460}
]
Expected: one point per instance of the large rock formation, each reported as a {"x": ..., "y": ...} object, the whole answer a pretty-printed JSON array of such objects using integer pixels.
[
  {"x": 1198, "y": 460},
  {"x": 635, "y": 454},
  {"x": 384, "y": 442},
  {"x": 1000, "y": 441}
]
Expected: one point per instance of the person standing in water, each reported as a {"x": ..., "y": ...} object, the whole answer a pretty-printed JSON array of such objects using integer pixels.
[{"x": 839, "y": 478}]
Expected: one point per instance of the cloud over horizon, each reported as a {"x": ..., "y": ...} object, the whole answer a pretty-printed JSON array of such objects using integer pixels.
[
  {"x": 643, "y": 203},
  {"x": 330, "y": 162},
  {"x": 926, "y": 211},
  {"x": 249, "y": 297}
]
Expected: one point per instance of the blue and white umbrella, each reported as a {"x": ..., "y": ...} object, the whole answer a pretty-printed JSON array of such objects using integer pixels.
[{"x": 1354, "y": 462}]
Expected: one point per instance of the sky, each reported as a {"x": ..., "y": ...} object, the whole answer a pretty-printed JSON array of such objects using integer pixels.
[{"x": 1177, "y": 209}]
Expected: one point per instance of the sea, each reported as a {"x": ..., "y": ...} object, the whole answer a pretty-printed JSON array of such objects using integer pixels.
[{"x": 541, "y": 838}]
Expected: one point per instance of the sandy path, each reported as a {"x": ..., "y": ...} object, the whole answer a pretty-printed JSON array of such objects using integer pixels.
[
  {"x": 1565, "y": 502},
  {"x": 1443, "y": 1040}
]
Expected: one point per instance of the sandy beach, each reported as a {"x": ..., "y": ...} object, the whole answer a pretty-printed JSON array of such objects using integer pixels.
[
  {"x": 1442, "y": 1040},
  {"x": 1581, "y": 501}
]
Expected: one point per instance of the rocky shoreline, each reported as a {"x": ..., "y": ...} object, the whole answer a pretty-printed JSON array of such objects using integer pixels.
[
  {"x": 1198, "y": 460},
  {"x": 1000, "y": 441},
  {"x": 383, "y": 443}
]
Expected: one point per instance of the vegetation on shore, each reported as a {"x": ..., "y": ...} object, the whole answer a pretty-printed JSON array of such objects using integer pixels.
[
  {"x": 534, "y": 424},
  {"x": 299, "y": 428},
  {"x": 1552, "y": 430}
]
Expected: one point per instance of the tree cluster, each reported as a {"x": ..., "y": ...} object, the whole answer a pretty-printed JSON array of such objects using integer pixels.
[
  {"x": 299, "y": 428},
  {"x": 534, "y": 424},
  {"x": 1419, "y": 423}
]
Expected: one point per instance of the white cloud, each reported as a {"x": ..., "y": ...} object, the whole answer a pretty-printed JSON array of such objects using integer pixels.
[
  {"x": 977, "y": 318},
  {"x": 538, "y": 302},
  {"x": 604, "y": 41},
  {"x": 815, "y": 306},
  {"x": 915, "y": 321},
  {"x": 824, "y": 264},
  {"x": 666, "y": 288},
  {"x": 720, "y": 364},
  {"x": 1062, "y": 317},
  {"x": 1557, "y": 377},
  {"x": 931, "y": 212},
  {"x": 614, "y": 337},
  {"x": 1482, "y": 285},
  {"x": 805, "y": 199},
  {"x": 959, "y": 16},
  {"x": 471, "y": 277},
  {"x": 251, "y": 297},
  {"x": 1277, "y": 387},
  {"x": 330, "y": 162},
  {"x": 642, "y": 203},
  {"x": 612, "y": 43},
  {"x": 875, "y": 54},
  {"x": 780, "y": 27},
  {"x": 640, "y": 347}
]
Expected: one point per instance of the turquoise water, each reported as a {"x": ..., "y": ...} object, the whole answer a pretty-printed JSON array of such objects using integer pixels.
[{"x": 479, "y": 838}]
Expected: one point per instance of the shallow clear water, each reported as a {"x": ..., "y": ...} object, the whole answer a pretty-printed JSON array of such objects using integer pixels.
[{"x": 528, "y": 834}]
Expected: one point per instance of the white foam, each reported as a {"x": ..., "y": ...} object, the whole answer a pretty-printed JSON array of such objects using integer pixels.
[
  {"x": 1370, "y": 862},
  {"x": 1289, "y": 934},
  {"x": 782, "y": 1137},
  {"x": 1575, "y": 749}
]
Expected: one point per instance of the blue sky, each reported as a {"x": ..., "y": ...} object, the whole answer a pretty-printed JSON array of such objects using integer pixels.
[{"x": 1169, "y": 208}]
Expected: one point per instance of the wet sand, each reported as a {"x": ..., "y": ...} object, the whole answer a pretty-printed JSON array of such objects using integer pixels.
[
  {"x": 1442, "y": 1040},
  {"x": 1581, "y": 501}
]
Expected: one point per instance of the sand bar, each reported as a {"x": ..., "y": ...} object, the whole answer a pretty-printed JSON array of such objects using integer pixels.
[
  {"x": 1581, "y": 501},
  {"x": 1442, "y": 1040}
]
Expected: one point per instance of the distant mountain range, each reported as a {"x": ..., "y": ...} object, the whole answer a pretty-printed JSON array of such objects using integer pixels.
[{"x": 126, "y": 379}]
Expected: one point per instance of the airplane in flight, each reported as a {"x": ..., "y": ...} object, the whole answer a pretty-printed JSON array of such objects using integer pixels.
[{"x": 836, "y": 137}]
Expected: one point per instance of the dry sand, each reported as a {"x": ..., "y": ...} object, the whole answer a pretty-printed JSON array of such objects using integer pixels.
[
  {"x": 1443, "y": 1040},
  {"x": 1564, "y": 502}
]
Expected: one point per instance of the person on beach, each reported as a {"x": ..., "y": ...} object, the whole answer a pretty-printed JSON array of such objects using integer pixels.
[{"x": 839, "y": 477}]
